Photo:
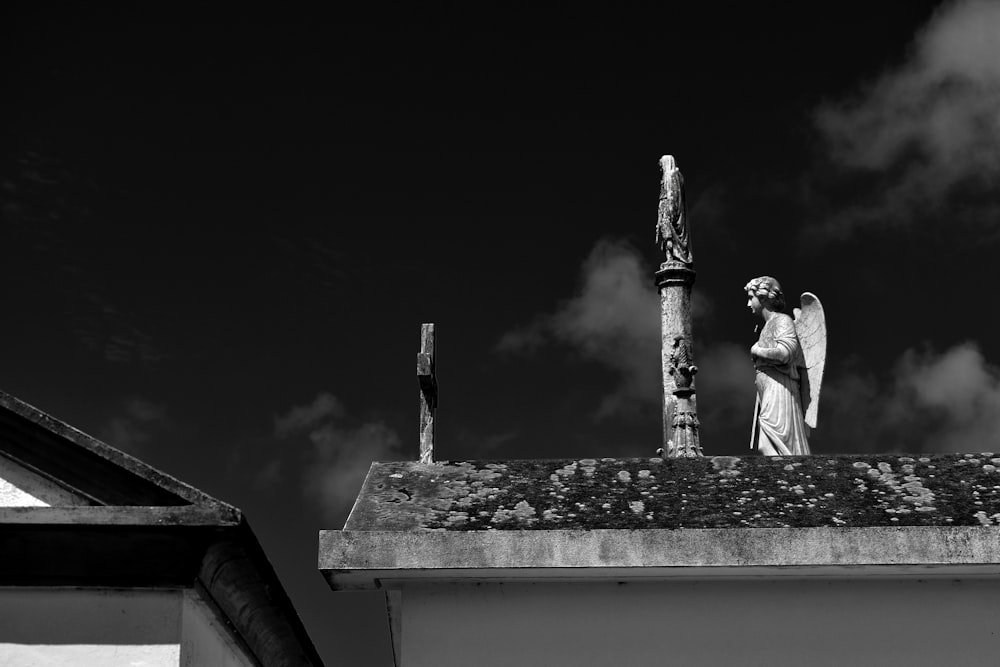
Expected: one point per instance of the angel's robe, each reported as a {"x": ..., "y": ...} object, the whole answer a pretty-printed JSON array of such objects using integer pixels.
[{"x": 780, "y": 426}]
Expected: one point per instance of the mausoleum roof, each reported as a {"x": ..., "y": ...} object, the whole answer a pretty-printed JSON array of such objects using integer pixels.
[
  {"x": 635, "y": 519},
  {"x": 711, "y": 492}
]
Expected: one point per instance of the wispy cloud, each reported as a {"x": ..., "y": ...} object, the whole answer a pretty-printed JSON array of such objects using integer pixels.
[
  {"x": 614, "y": 320},
  {"x": 933, "y": 402},
  {"x": 946, "y": 401},
  {"x": 725, "y": 384},
  {"x": 303, "y": 417},
  {"x": 132, "y": 429},
  {"x": 925, "y": 131},
  {"x": 339, "y": 453},
  {"x": 955, "y": 394},
  {"x": 929, "y": 401}
]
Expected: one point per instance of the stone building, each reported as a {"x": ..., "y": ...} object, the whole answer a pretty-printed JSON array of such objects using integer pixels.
[
  {"x": 107, "y": 561},
  {"x": 812, "y": 560}
]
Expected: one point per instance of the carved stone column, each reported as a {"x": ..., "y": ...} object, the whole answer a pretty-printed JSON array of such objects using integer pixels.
[
  {"x": 674, "y": 281},
  {"x": 680, "y": 411}
]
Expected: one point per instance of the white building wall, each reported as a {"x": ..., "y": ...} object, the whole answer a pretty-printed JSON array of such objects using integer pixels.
[
  {"x": 799, "y": 622},
  {"x": 66, "y": 627},
  {"x": 83, "y": 628}
]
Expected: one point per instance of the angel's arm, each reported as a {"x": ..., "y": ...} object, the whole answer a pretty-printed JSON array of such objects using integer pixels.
[{"x": 786, "y": 344}]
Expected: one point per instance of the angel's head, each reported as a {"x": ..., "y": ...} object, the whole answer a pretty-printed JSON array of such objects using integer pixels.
[{"x": 766, "y": 291}]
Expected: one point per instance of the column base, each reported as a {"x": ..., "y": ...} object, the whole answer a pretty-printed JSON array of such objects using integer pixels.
[{"x": 684, "y": 442}]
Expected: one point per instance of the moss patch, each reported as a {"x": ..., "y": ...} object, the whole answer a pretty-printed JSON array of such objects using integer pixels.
[{"x": 711, "y": 492}]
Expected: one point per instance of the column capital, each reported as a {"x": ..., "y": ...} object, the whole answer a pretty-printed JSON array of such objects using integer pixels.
[{"x": 674, "y": 273}]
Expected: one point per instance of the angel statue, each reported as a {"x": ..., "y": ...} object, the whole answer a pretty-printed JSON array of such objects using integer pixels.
[
  {"x": 672, "y": 235},
  {"x": 789, "y": 358}
]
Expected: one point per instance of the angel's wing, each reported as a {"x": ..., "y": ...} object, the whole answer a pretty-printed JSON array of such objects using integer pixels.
[{"x": 810, "y": 326}]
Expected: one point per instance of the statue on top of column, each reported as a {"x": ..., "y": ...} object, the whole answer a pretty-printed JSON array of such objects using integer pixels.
[
  {"x": 672, "y": 234},
  {"x": 674, "y": 281}
]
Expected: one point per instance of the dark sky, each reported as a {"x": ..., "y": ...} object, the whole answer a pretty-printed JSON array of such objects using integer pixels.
[{"x": 220, "y": 236}]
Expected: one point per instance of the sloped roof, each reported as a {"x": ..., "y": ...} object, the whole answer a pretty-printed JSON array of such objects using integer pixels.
[
  {"x": 98, "y": 475},
  {"x": 117, "y": 521}
]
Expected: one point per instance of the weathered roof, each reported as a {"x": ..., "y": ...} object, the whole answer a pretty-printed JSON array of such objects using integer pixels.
[
  {"x": 635, "y": 519},
  {"x": 710, "y": 492}
]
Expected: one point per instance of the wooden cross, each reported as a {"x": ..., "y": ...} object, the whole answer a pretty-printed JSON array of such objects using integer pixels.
[{"x": 428, "y": 392}]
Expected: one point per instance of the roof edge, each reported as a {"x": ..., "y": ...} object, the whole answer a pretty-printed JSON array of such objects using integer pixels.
[
  {"x": 348, "y": 557},
  {"x": 54, "y": 433}
]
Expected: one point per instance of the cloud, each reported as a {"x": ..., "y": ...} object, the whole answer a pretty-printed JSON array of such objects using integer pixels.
[
  {"x": 725, "y": 383},
  {"x": 927, "y": 130},
  {"x": 957, "y": 393},
  {"x": 933, "y": 402},
  {"x": 854, "y": 408},
  {"x": 930, "y": 401},
  {"x": 339, "y": 453},
  {"x": 614, "y": 320},
  {"x": 132, "y": 429},
  {"x": 303, "y": 417}
]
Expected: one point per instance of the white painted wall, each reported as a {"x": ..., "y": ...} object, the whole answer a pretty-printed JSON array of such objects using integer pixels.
[
  {"x": 79, "y": 628},
  {"x": 64, "y": 627},
  {"x": 743, "y": 622}
]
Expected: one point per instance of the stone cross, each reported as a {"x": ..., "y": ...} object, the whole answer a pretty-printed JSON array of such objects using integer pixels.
[
  {"x": 428, "y": 392},
  {"x": 674, "y": 281}
]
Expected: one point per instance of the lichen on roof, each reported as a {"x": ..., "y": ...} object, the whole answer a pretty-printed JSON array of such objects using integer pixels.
[{"x": 710, "y": 492}]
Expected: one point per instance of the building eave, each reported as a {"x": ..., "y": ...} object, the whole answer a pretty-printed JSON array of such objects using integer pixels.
[{"x": 386, "y": 559}]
